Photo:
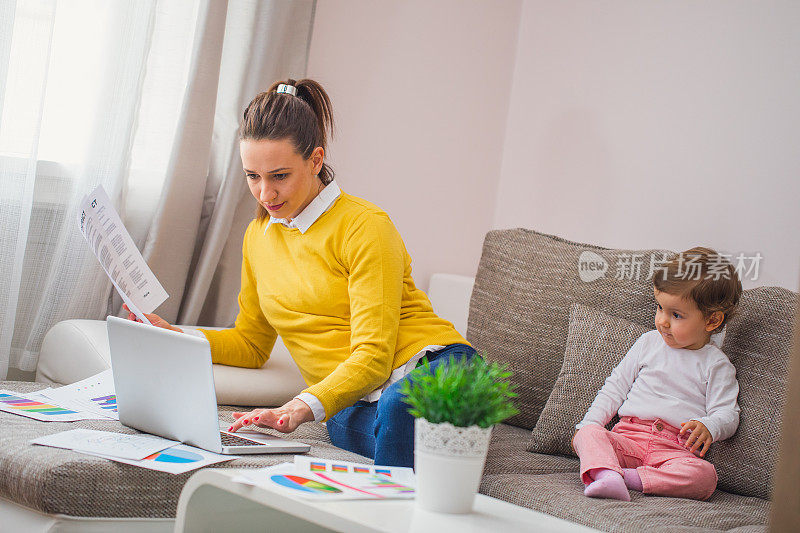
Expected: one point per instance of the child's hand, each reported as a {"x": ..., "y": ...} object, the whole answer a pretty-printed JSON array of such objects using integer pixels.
[{"x": 700, "y": 439}]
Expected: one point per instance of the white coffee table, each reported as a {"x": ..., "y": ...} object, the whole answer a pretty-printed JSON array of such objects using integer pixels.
[{"x": 211, "y": 502}]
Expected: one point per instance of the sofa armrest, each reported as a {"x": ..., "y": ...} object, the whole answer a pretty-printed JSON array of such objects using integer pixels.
[{"x": 73, "y": 350}]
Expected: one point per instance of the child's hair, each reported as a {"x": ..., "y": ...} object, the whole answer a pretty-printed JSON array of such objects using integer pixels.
[
  {"x": 705, "y": 277},
  {"x": 304, "y": 119}
]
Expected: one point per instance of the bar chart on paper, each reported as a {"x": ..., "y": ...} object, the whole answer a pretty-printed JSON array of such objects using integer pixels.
[
  {"x": 32, "y": 406},
  {"x": 94, "y": 394},
  {"x": 108, "y": 402}
]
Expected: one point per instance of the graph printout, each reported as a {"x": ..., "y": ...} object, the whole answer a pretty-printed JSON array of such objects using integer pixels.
[
  {"x": 290, "y": 479},
  {"x": 38, "y": 407},
  {"x": 94, "y": 394},
  {"x": 175, "y": 460},
  {"x": 318, "y": 465},
  {"x": 122, "y": 445},
  {"x": 114, "y": 248}
]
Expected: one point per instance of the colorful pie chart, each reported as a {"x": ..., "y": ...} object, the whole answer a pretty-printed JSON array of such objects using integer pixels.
[
  {"x": 303, "y": 484},
  {"x": 172, "y": 455}
]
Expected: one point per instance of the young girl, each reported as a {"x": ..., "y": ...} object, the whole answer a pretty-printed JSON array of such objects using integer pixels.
[{"x": 675, "y": 391}]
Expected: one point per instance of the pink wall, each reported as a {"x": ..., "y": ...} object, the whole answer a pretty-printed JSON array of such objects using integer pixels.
[
  {"x": 420, "y": 90},
  {"x": 658, "y": 124},
  {"x": 626, "y": 124}
]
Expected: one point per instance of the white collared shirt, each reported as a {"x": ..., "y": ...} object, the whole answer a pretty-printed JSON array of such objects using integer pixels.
[{"x": 312, "y": 211}]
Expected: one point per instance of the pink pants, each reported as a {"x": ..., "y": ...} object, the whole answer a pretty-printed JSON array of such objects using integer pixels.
[{"x": 654, "y": 449}]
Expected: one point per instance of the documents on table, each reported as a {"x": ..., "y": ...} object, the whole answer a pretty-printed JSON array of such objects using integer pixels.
[
  {"x": 120, "y": 445},
  {"x": 93, "y": 395},
  {"x": 112, "y": 244},
  {"x": 142, "y": 450},
  {"x": 322, "y": 479},
  {"x": 305, "y": 463}
]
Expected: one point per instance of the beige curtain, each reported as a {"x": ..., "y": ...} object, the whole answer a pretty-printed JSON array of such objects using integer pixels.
[{"x": 194, "y": 245}]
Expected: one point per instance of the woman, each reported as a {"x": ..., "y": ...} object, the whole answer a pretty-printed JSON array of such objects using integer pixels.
[{"x": 329, "y": 273}]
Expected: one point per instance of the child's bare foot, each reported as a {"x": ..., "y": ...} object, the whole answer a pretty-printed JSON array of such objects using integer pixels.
[{"x": 607, "y": 484}]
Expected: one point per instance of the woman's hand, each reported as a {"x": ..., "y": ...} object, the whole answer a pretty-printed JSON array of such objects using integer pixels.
[
  {"x": 285, "y": 418},
  {"x": 154, "y": 319},
  {"x": 700, "y": 439}
]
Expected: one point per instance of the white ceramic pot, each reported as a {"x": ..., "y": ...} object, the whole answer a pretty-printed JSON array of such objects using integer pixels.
[{"x": 448, "y": 462}]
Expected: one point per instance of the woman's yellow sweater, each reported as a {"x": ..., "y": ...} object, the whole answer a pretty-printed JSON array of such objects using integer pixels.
[{"x": 341, "y": 297}]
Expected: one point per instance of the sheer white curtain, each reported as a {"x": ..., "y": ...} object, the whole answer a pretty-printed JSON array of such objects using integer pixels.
[
  {"x": 121, "y": 94},
  {"x": 70, "y": 93}
]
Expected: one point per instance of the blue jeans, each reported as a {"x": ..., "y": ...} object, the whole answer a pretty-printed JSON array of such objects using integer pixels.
[{"x": 384, "y": 430}]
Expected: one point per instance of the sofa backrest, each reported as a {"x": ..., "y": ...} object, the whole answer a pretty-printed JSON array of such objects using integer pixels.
[
  {"x": 525, "y": 285},
  {"x": 758, "y": 342}
]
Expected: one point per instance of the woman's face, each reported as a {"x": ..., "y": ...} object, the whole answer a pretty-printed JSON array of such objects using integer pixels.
[{"x": 279, "y": 178}]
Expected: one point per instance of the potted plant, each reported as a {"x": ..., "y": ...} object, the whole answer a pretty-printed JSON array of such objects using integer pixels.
[{"x": 455, "y": 406}]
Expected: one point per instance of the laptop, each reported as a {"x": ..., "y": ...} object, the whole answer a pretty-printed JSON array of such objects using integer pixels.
[{"x": 165, "y": 386}]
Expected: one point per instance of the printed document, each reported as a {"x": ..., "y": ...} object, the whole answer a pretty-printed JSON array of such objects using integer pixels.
[
  {"x": 320, "y": 479},
  {"x": 114, "y": 248},
  {"x": 94, "y": 395},
  {"x": 122, "y": 445}
]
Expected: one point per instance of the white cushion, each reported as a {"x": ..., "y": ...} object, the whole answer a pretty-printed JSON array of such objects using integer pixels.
[{"x": 73, "y": 350}]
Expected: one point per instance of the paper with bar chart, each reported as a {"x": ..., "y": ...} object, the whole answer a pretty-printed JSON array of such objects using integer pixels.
[
  {"x": 39, "y": 407},
  {"x": 290, "y": 479},
  {"x": 319, "y": 465},
  {"x": 94, "y": 395},
  {"x": 110, "y": 241}
]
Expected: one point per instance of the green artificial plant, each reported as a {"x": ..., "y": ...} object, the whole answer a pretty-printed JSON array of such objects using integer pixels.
[{"x": 462, "y": 392}]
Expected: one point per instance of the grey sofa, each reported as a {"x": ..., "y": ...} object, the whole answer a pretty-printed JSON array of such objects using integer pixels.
[
  {"x": 527, "y": 292},
  {"x": 528, "y": 308}
]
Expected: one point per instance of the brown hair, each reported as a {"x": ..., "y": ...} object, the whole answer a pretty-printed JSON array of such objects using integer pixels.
[
  {"x": 705, "y": 277},
  {"x": 306, "y": 120}
]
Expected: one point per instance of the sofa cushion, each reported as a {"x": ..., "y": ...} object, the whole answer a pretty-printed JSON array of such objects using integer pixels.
[
  {"x": 561, "y": 495},
  {"x": 524, "y": 287},
  {"x": 758, "y": 342},
  {"x": 56, "y": 481},
  {"x": 508, "y": 455},
  {"x": 596, "y": 343}
]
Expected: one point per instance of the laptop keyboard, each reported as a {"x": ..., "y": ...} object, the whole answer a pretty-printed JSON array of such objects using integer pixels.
[{"x": 232, "y": 440}]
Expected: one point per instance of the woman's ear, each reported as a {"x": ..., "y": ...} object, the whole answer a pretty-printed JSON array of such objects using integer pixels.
[
  {"x": 714, "y": 320},
  {"x": 316, "y": 159}
]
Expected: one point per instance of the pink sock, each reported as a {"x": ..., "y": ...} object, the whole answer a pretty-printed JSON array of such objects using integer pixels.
[
  {"x": 632, "y": 479},
  {"x": 607, "y": 484}
]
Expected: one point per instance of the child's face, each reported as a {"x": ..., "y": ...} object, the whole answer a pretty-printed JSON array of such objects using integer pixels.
[{"x": 681, "y": 323}]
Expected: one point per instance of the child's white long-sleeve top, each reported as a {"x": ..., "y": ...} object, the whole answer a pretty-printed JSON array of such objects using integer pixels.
[{"x": 676, "y": 385}]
